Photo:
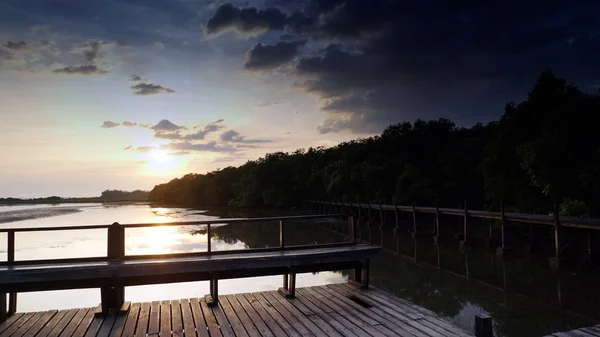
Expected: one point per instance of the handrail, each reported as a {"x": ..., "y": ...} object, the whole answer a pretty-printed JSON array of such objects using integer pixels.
[
  {"x": 116, "y": 238},
  {"x": 175, "y": 223},
  {"x": 565, "y": 221}
]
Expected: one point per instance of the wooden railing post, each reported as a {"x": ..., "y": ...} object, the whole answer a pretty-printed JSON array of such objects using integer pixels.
[
  {"x": 396, "y": 216},
  {"x": 10, "y": 253},
  {"x": 113, "y": 295},
  {"x": 281, "y": 235},
  {"x": 555, "y": 261},
  {"x": 502, "y": 251},
  {"x": 414, "y": 216},
  {"x": 352, "y": 229},
  {"x": 465, "y": 245},
  {"x": 208, "y": 238}
]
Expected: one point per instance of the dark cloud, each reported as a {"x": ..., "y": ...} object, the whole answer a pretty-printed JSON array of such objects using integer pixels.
[
  {"x": 91, "y": 49},
  {"x": 88, "y": 69},
  {"x": 109, "y": 124},
  {"x": 390, "y": 61},
  {"x": 146, "y": 89},
  {"x": 244, "y": 20},
  {"x": 136, "y": 78},
  {"x": 166, "y": 125},
  {"x": 232, "y": 136},
  {"x": 128, "y": 123},
  {"x": 16, "y": 46},
  {"x": 266, "y": 57}
]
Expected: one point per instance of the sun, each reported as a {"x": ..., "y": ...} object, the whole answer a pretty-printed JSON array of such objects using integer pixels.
[
  {"x": 160, "y": 157},
  {"x": 161, "y": 162}
]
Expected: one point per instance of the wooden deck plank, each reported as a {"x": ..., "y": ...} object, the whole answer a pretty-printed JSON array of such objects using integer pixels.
[
  {"x": 165, "y": 318},
  {"x": 357, "y": 330},
  {"x": 154, "y": 319},
  {"x": 188, "y": 318},
  {"x": 363, "y": 321},
  {"x": 211, "y": 320},
  {"x": 408, "y": 324},
  {"x": 17, "y": 324},
  {"x": 316, "y": 311},
  {"x": 199, "y": 321},
  {"x": 264, "y": 314},
  {"x": 40, "y": 324},
  {"x": 257, "y": 300},
  {"x": 340, "y": 328},
  {"x": 261, "y": 325},
  {"x": 409, "y": 307},
  {"x": 107, "y": 326},
  {"x": 387, "y": 319},
  {"x": 249, "y": 326},
  {"x": 413, "y": 308},
  {"x": 143, "y": 319},
  {"x": 62, "y": 324},
  {"x": 117, "y": 328},
  {"x": 27, "y": 325},
  {"x": 385, "y": 326},
  {"x": 590, "y": 331},
  {"x": 425, "y": 321},
  {"x": 45, "y": 331},
  {"x": 234, "y": 320},
  {"x": 94, "y": 327},
  {"x": 292, "y": 320},
  {"x": 85, "y": 323},
  {"x": 10, "y": 321},
  {"x": 72, "y": 326},
  {"x": 290, "y": 311},
  {"x": 303, "y": 310},
  {"x": 176, "y": 319},
  {"x": 223, "y": 322},
  {"x": 132, "y": 319}
]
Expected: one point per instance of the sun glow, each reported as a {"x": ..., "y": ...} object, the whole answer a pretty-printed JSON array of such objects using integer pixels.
[{"x": 161, "y": 162}]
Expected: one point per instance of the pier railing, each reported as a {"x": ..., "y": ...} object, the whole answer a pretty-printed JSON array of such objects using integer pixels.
[
  {"x": 116, "y": 237},
  {"x": 116, "y": 251}
]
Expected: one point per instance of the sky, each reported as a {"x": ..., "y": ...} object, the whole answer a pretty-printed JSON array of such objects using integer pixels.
[{"x": 126, "y": 94}]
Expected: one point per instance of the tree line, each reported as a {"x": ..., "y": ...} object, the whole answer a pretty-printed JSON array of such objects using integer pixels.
[
  {"x": 106, "y": 196},
  {"x": 541, "y": 152}
]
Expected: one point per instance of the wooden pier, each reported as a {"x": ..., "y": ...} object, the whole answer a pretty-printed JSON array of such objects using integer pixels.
[
  {"x": 338, "y": 310},
  {"x": 590, "y": 331}
]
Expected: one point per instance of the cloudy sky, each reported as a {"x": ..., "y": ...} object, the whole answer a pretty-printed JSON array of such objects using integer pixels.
[{"x": 130, "y": 93}]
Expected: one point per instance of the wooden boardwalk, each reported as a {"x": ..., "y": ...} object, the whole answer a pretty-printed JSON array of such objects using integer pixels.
[
  {"x": 590, "y": 331},
  {"x": 333, "y": 310}
]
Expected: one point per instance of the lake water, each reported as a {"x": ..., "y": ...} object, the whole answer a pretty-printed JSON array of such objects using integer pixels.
[{"x": 523, "y": 295}]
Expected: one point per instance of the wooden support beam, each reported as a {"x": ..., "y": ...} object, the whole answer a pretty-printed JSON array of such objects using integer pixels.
[
  {"x": 436, "y": 238},
  {"x": 3, "y": 311},
  {"x": 289, "y": 285},
  {"x": 12, "y": 304},
  {"x": 361, "y": 275},
  {"x": 10, "y": 254},
  {"x": 212, "y": 300}
]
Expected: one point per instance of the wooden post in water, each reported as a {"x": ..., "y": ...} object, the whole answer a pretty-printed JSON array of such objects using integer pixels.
[
  {"x": 502, "y": 251},
  {"x": 414, "y": 216},
  {"x": 436, "y": 238},
  {"x": 381, "y": 224},
  {"x": 465, "y": 245},
  {"x": 555, "y": 261}
]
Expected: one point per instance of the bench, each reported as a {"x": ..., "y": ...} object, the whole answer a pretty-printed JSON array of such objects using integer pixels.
[{"x": 117, "y": 271}]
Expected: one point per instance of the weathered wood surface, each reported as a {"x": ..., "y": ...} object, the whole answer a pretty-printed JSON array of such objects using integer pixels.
[
  {"x": 53, "y": 275},
  {"x": 590, "y": 331},
  {"x": 331, "y": 310}
]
